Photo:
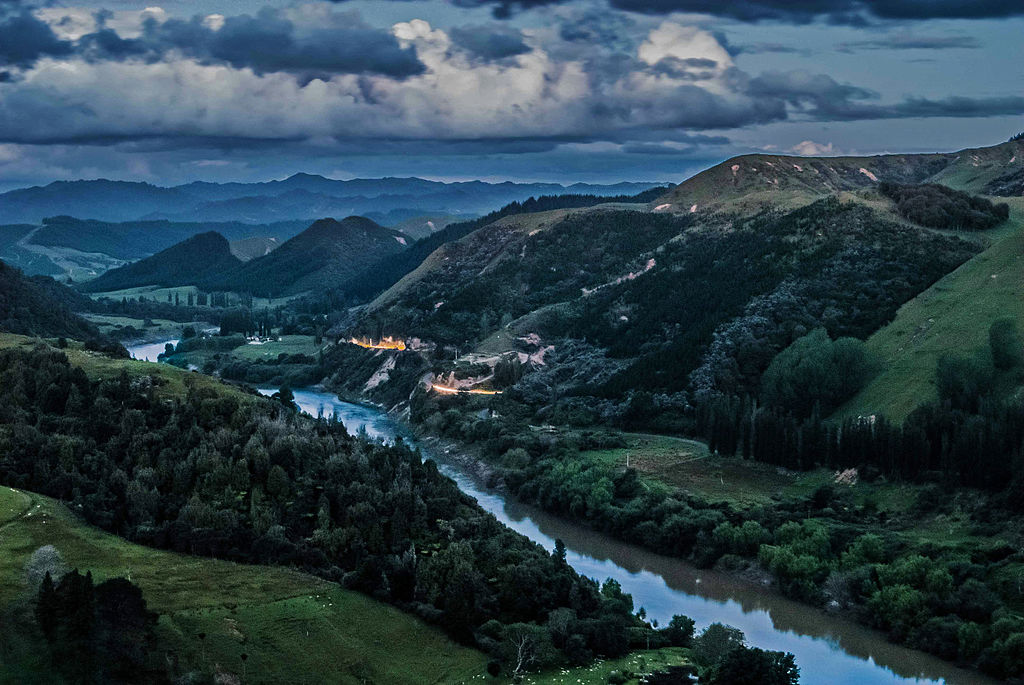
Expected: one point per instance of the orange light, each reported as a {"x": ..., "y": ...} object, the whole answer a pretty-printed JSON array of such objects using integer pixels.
[
  {"x": 468, "y": 391},
  {"x": 387, "y": 343}
]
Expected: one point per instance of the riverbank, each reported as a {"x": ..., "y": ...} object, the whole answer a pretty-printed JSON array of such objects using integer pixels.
[{"x": 828, "y": 649}]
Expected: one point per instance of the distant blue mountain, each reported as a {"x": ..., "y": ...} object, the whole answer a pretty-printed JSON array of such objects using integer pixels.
[{"x": 302, "y": 196}]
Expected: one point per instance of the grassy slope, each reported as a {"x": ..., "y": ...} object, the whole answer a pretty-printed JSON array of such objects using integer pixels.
[
  {"x": 295, "y": 628},
  {"x": 288, "y": 344},
  {"x": 666, "y": 461},
  {"x": 952, "y": 316}
]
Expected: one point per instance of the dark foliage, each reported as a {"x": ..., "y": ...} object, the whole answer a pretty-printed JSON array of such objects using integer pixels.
[
  {"x": 200, "y": 258},
  {"x": 41, "y": 306},
  {"x": 97, "y": 634},
  {"x": 252, "y": 481},
  {"x": 322, "y": 257},
  {"x": 385, "y": 273},
  {"x": 937, "y": 206}
]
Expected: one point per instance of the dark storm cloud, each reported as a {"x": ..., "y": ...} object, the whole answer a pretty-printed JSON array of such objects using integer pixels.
[
  {"x": 266, "y": 42},
  {"x": 906, "y": 42},
  {"x": 822, "y": 98},
  {"x": 794, "y": 11},
  {"x": 838, "y": 11},
  {"x": 762, "y": 48},
  {"x": 489, "y": 43},
  {"x": 24, "y": 39}
]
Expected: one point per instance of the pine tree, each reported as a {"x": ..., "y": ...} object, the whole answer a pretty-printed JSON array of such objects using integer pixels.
[{"x": 47, "y": 606}]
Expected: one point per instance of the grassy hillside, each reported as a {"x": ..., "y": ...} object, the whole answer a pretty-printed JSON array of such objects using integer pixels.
[
  {"x": 952, "y": 316},
  {"x": 294, "y": 628},
  {"x": 195, "y": 260},
  {"x": 749, "y": 182}
]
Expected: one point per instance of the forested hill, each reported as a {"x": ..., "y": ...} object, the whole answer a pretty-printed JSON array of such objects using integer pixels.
[
  {"x": 196, "y": 260},
  {"x": 325, "y": 255},
  {"x": 40, "y": 306},
  {"x": 378, "y": 277},
  {"x": 659, "y": 302}
]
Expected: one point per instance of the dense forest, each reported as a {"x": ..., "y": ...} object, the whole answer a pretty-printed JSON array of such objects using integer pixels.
[
  {"x": 41, "y": 306},
  {"x": 385, "y": 273},
  {"x": 675, "y": 302},
  {"x": 250, "y": 480},
  {"x": 938, "y": 206}
]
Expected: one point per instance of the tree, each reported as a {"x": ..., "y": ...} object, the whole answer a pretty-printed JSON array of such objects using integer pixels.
[
  {"x": 125, "y": 628},
  {"x": 1005, "y": 343},
  {"x": 679, "y": 631},
  {"x": 753, "y": 666},
  {"x": 816, "y": 371},
  {"x": 963, "y": 381},
  {"x": 47, "y": 606},
  {"x": 286, "y": 397},
  {"x": 715, "y": 642},
  {"x": 526, "y": 647}
]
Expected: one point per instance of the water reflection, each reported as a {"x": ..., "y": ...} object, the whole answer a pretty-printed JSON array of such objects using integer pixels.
[{"x": 150, "y": 351}]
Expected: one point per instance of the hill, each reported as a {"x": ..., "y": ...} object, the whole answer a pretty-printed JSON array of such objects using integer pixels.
[
  {"x": 137, "y": 239},
  {"x": 293, "y": 627},
  {"x": 301, "y": 196},
  {"x": 323, "y": 256},
  {"x": 634, "y": 300},
  {"x": 40, "y": 306},
  {"x": 198, "y": 259},
  {"x": 751, "y": 182},
  {"x": 953, "y": 315},
  {"x": 378, "y": 277}
]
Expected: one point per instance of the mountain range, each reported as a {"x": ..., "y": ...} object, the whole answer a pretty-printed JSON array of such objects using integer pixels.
[{"x": 301, "y": 196}]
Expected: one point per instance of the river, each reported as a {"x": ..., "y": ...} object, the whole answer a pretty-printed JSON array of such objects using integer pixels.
[
  {"x": 149, "y": 352},
  {"x": 828, "y": 650}
]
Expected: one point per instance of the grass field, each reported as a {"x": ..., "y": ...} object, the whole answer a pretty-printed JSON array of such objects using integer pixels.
[
  {"x": 632, "y": 666},
  {"x": 160, "y": 328},
  {"x": 154, "y": 292},
  {"x": 953, "y": 316},
  {"x": 295, "y": 628},
  {"x": 288, "y": 344},
  {"x": 686, "y": 464}
]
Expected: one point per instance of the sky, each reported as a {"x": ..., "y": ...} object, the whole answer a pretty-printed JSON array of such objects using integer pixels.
[{"x": 524, "y": 90}]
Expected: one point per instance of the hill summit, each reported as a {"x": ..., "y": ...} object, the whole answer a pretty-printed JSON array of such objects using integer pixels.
[
  {"x": 325, "y": 255},
  {"x": 195, "y": 260}
]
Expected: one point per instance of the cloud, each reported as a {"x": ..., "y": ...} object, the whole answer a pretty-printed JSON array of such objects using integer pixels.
[
  {"x": 24, "y": 39},
  {"x": 911, "y": 42},
  {"x": 489, "y": 43},
  {"x": 760, "y": 48},
  {"x": 809, "y": 148},
  {"x": 821, "y": 97},
  {"x": 793, "y": 11},
  {"x": 325, "y": 43},
  {"x": 185, "y": 84}
]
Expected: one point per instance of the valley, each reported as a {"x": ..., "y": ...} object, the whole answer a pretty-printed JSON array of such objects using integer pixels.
[{"x": 743, "y": 411}]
